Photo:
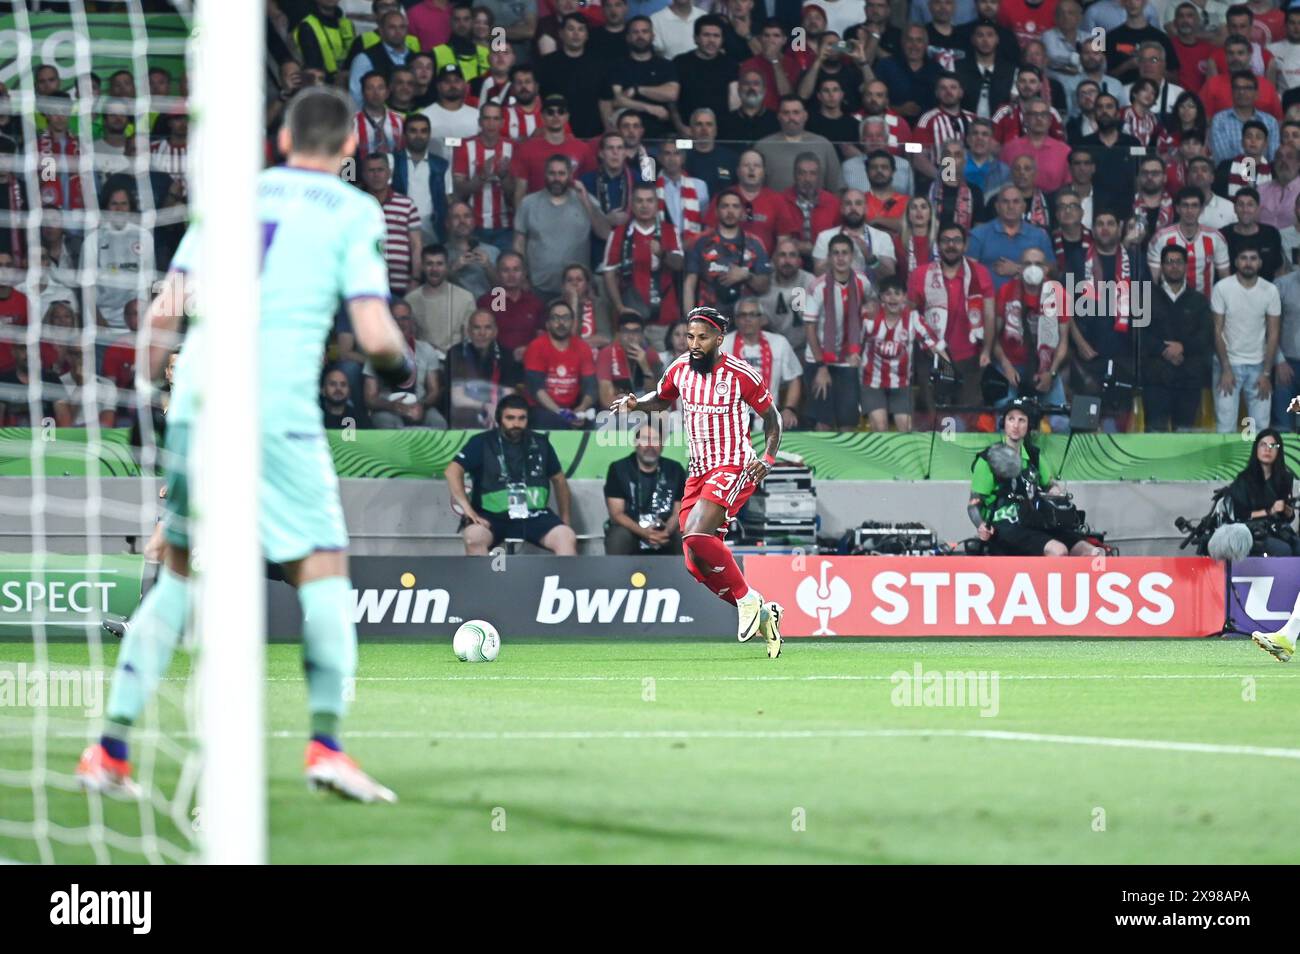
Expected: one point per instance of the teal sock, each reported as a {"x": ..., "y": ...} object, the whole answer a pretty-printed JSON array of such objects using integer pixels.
[
  {"x": 147, "y": 649},
  {"x": 329, "y": 643}
]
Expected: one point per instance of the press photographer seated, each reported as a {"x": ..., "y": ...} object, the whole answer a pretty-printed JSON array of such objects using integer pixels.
[
  {"x": 1261, "y": 496},
  {"x": 643, "y": 493},
  {"x": 1011, "y": 491}
]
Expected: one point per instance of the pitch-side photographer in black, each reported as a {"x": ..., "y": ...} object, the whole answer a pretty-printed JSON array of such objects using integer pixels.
[
  {"x": 642, "y": 493},
  {"x": 1011, "y": 488},
  {"x": 1261, "y": 496}
]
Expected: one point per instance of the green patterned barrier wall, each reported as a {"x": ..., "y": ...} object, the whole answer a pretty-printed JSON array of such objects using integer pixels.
[{"x": 858, "y": 456}]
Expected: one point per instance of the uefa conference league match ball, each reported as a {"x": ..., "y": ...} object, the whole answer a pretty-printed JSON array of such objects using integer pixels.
[{"x": 476, "y": 641}]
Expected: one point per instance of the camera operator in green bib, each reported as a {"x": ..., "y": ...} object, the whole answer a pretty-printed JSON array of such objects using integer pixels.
[
  {"x": 1008, "y": 478},
  {"x": 514, "y": 470}
]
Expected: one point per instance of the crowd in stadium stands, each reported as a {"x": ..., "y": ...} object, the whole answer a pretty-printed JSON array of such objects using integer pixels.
[{"x": 882, "y": 196}]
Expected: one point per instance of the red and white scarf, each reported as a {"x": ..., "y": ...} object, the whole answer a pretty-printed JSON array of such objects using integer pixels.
[
  {"x": 912, "y": 252},
  {"x": 1022, "y": 308},
  {"x": 495, "y": 91},
  {"x": 63, "y": 191},
  {"x": 841, "y": 339},
  {"x": 936, "y": 301},
  {"x": 587, "y": 321},
  {"x": 1036, "y": 214},
  {"x": 1058, "y": 246},
  {"x": 963, "y": 214},
  {"x": 692, "y": 217},
  {"x": 17, "y": 231},
  {"x": 765, "y": 349},
  {"x": 1165, "y": 216},
  {"x": 1092, "y": 273}
]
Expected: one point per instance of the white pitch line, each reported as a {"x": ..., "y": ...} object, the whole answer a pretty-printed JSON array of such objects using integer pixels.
[
  {"x": 814, "y": 678},
  {"x": 1159, "y": 745},
  {"x": 1205, "y": 748}
]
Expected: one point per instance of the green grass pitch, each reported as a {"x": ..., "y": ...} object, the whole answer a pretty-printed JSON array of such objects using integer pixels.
[{"x": 692, "y": 752}]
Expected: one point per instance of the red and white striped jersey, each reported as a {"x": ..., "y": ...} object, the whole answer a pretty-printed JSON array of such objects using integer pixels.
[
  {"x": 383, "y": 136},
  {"x": 887, "y": 350},
  {"x": 936, "y": 127},
  {"x": 1206, "y": 251},
  {"x": 489, "y": 203},
  {"x": 492, "y": 90},
  {"x": 715, "y": 409},
  {"x": 164, "y": 157},
  {"x": 519, "y": 124}
]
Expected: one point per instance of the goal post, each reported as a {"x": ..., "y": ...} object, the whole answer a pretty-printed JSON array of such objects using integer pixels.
[{"x": 227, "y": 110}]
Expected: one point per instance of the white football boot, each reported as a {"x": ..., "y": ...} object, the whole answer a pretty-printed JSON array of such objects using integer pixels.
[
  {"x": 770, "y": 627},
  {"x": 749, "y": 609}
]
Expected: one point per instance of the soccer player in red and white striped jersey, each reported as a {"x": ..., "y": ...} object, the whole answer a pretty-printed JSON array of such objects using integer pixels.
[
  {"x": 480, "y": 171},
  {"x": 716, "y": 390}
]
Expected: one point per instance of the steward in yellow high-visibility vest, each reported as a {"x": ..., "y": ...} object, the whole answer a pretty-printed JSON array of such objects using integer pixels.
[
  {"x": 472, "y": 58},
  {"x": 325, "y": 37}
]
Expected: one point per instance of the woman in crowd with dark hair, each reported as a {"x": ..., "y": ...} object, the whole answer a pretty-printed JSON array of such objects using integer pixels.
[
  {"x": 674, "y": 341},
  {"x": 1262, "y": 492},
  {"x": 1188, "y": 116}
]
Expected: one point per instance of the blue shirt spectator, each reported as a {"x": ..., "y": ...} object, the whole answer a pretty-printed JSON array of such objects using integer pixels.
[
  {"x": 1225, "y": 134},
  {"x": 1007, "y": 237}
]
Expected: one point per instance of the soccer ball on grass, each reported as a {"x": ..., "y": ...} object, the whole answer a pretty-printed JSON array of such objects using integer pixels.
[{"x": 476, "y": 641}]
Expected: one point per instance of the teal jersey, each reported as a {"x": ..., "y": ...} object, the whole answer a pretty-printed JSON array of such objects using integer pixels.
[{"x": 322, "y": 244}]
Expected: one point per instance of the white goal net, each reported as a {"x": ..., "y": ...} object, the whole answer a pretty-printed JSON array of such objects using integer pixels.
[{"x": 112, "y": 145}]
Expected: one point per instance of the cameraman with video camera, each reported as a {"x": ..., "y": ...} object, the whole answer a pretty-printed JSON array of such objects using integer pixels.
[
  {"x": 1261, "y": 496},
  {"x": 1011, "y": 501}
]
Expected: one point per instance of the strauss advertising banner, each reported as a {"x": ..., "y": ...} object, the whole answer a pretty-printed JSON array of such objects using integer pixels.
[{"x": 993, "y": 596}]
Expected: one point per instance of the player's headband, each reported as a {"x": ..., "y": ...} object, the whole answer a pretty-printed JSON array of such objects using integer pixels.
[{"x": 704, "y": 316}]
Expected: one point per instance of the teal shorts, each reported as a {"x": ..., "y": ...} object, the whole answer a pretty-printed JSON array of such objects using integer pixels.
[{"x": 299, "y": 497}]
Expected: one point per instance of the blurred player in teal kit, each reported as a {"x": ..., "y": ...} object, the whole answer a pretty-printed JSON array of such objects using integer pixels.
[{"x": 322, "y": 244}]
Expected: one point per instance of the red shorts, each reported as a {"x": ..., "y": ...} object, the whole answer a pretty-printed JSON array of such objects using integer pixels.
[{"x": 728, "y": 487}]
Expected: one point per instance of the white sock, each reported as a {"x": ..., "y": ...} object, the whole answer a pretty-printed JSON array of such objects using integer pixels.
[{"x": 1291, "y": 629}]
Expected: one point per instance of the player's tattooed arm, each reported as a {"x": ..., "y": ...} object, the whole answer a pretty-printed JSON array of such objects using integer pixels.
[
  {"x": 759, "y": 468},
  {"x": 646, "y": 402}
]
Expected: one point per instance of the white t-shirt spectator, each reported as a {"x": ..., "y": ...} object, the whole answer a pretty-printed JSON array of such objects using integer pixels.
[
  {"x": 673, "y": 35},
  {"x": 1218, "y": 213},
  {"x": 1287, "y": 57},
  {"x": 110, "y": 160},
  {"x": 842, "y": 14},
  {"x": 105, "y": 397},
  {"x": 449, "y": 124},
  {"x": 1244, "y": 311},
  {"x": 116, "y": 256},
  {"x": 882, "y": 246},
  {"x": 785, "y": 364}
]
